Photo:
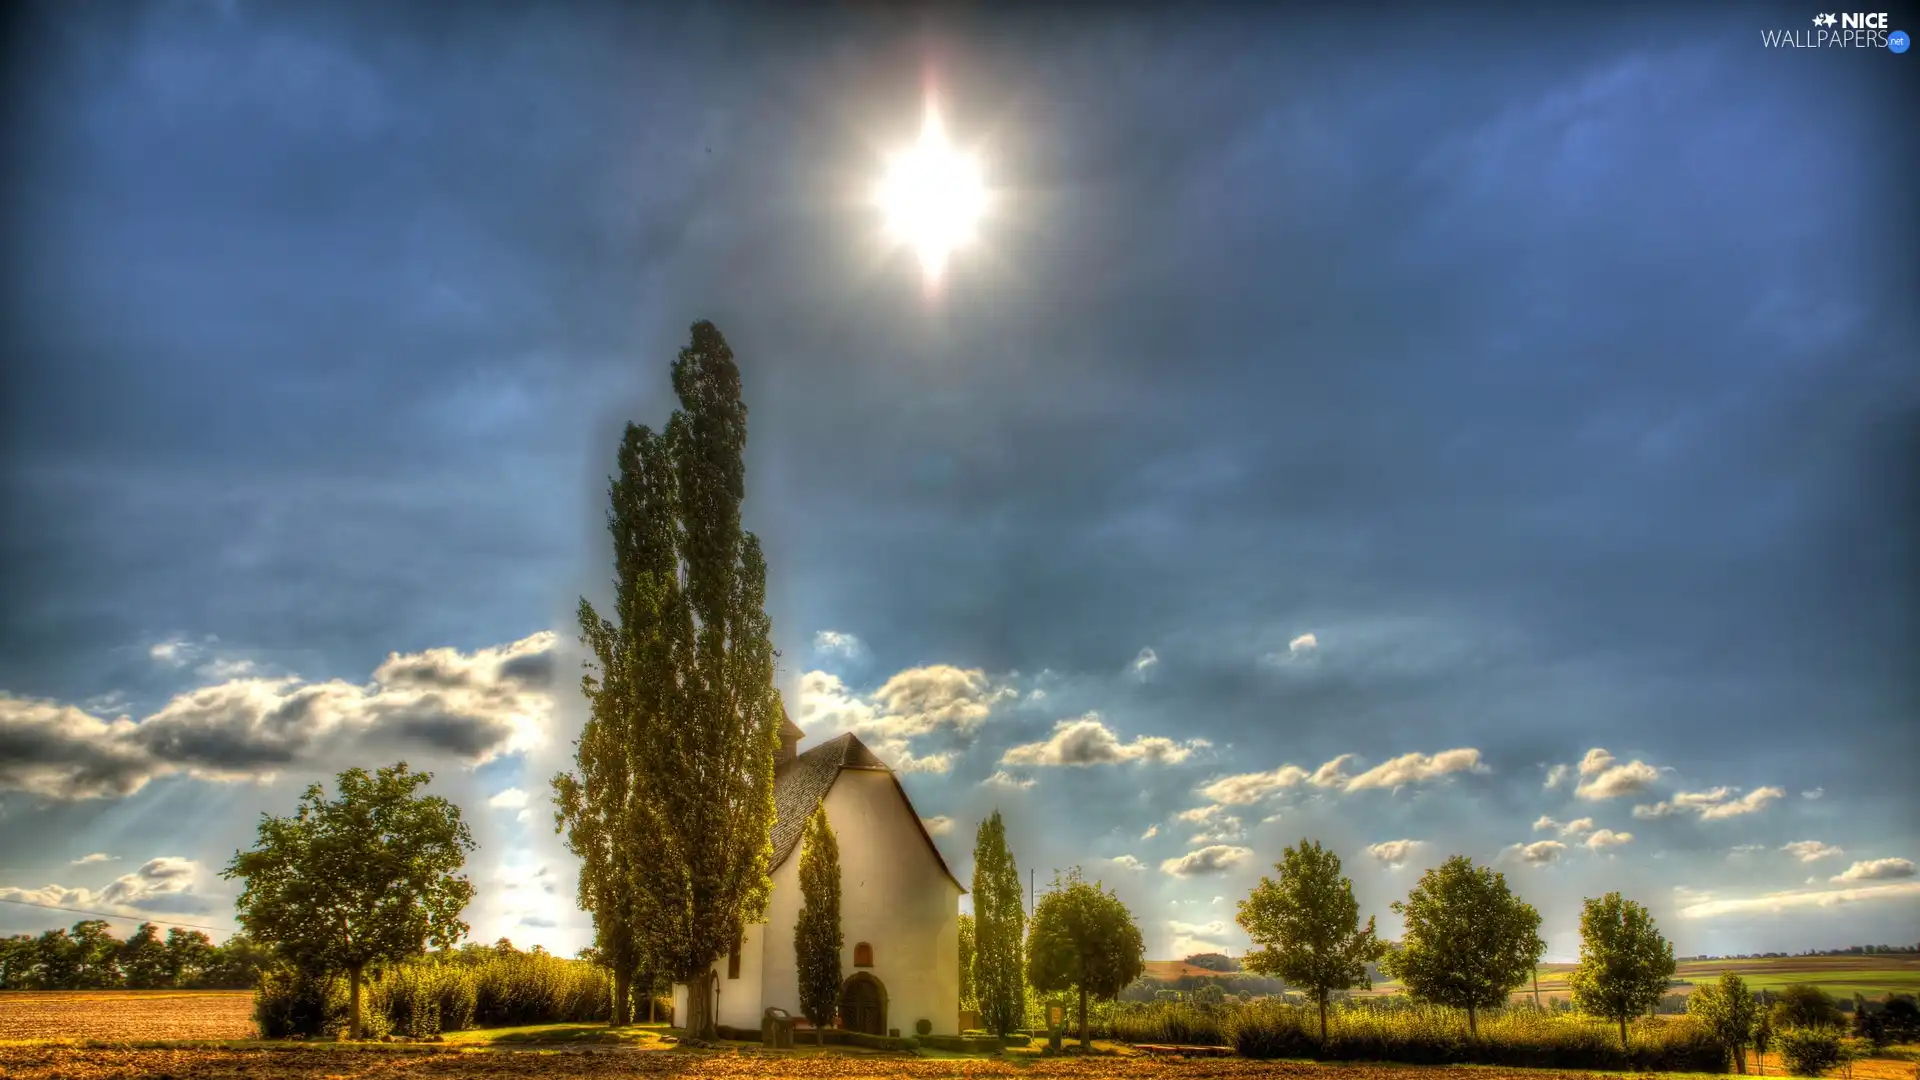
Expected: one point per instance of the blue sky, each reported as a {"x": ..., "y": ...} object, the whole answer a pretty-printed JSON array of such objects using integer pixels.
[{"x": 1392, "y": 432}]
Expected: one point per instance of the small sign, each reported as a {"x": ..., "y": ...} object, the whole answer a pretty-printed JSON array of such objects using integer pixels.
[{"x": 1055, "y": 1014}]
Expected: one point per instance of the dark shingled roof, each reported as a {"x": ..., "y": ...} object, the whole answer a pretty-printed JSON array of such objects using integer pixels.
[{"x": 801, "y": 784}]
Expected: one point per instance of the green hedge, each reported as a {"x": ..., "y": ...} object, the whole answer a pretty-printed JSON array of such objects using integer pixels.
[{"x": 431, "y": 996}]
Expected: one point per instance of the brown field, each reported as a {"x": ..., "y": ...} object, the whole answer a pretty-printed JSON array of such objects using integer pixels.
[{"x": 126, "y": 1014}]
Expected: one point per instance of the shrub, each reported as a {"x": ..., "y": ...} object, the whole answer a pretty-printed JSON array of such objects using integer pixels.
[
  {"x": 1809, "y": 1051},
  {"x": 433, "y": 995}
]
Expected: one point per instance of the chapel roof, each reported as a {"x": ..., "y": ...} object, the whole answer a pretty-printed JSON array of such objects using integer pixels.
[{"x": 800, "y": 785}]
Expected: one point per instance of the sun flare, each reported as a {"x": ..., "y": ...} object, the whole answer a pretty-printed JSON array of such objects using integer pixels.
[{"x": 933, "y": 197}]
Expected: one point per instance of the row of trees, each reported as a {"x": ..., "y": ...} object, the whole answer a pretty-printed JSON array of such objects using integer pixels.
[{"x": 90, "y": 957}]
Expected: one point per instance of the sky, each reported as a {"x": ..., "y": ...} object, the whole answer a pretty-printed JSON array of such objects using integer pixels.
[{"x": 1432, "y": 434}]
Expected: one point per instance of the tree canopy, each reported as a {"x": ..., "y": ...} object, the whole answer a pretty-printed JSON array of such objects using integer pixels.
[
  {"x": 1307, "y": 926},
  {"x": 1731, "y": 1012},
  {"x": 817, "y": 936},
  {"x": 1469, "y": 941},
  {"x": 1625, "y": 965},
  {"x": 1083, "y": 939},
  {"x": 367, "y": 877},
  {"x": 999, "y": 930}
]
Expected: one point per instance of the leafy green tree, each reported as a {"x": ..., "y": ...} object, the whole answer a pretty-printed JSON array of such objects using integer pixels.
[
  {"x": 999, "y": 930},
  {"x": 1084, "y": 940},
  {"x": 1625, "y": 965},
  {"x": 235, "y": 964},
  {"x": 817, "y": 939},
  {"x": 968, "y": 1001},
  {"x": 188, "y": 955},
  {"x": 96, "y": 954},
  {"x": 1469, "y": 941},
  {"x": 56, "y": 962},
  {"x": 1804, "y": 1006},
  {"x": 18, "y": 960},
  {"x": 1762, "y": 1033},
  {"x": 1731, "y": 1012},
  {"x": 143, "y": 960},
  {"x": 1213, "y": 961},
  {"x": 369, "y": 877},
  {"x": 686, "y": 677},
  {"x": 1307, "y": 926}
]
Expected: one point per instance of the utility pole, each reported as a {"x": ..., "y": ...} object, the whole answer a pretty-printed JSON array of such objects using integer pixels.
[{"x": 1029, "y": 892}]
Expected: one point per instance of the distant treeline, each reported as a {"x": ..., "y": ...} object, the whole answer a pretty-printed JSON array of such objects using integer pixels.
[
  {"x": 89, "y": 957},
  {"x": 1851, "y": 950}
]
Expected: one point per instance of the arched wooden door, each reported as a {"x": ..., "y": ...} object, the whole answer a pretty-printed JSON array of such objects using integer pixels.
[{"x": 863, "y": 1005}]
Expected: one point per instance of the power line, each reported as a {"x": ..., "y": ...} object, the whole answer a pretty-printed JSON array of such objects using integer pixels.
[{"x": 110, "y": 915}]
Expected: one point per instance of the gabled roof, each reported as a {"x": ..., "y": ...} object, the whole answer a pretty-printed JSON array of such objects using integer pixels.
[
  {"x": 789, "y": 729},
  {"x": 800, "y": 785}
]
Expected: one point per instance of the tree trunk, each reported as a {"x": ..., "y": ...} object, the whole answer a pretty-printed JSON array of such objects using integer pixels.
[
  {"x": 622, "y": 997},
  {"x": 701, "y": 1021},
  {"x": 1323, "y": 1016},
  {"x": 1086, "y": 1043},
  {"x": 1473, "y": 1027},
  {"x": 353, "y": 1002},
  {"x": 1623, "y": 1031},
  {"x": 1536, "y": 987},
  {"x": 1740, "y": 1060}
]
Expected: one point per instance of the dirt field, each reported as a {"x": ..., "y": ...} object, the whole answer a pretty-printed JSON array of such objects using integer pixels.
[{"x": 127, "y": 1014}]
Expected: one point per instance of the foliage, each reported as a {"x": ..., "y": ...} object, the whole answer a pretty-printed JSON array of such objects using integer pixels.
[
  {"x": 1803, "y": 1006},
  {"x": 1903, "y": 1018},
  {"x": 1212, "y": 961},
  {"x": 999, "y": 929},
  {"x": 143, "y": 959},
  {"x": 187, "y": 960},
  {"x": 968, "y": 1001},
  {"x": 1730, "y": 1011},
  {"x": 1084, "y": 939},
  {"x": 817, "y": 937},
  {"x": 683, "y": 687},
  {"x": 1625, "y": 965},
  {"x": 1809, "y": 1051},
  {"x": 1469, "y": 941},
  {"x": 1306, "y": 926},
  {"x": 442, "y": 993},
  {"x": 367, "y": 878}
]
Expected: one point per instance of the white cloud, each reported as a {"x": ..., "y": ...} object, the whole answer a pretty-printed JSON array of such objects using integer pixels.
[
  {"x": 1816, "y": 793},
  {"x": 1214, "y": 929},
  {"x": 1394, "y": 853},
  {"x": 1811, "y": 850},
  {"x": 173, "y": 653},
  {"x": 1416, "y": 768},
  {"x": 1147, "y": 659},
  {"x": 1876, "y": 870},
  {"x": 1087, "y": 740},
  {"x": 1001, "y": 778},
  {"x": 1606, "y": 838},
  {"x": 1713, "y": 805},
  {"x": 1127, "y": 862},
  {"x": 1799, "y": 899},
  {"x": 510, "y": 799},
  {"x": 1217, "y": 826},
  {"x": 939, "y": 825},
  {"x": 917, "y": 702},
  {"x": 1576, "y": 827},
  {"x": 835, "y": 643},
  {"x": 1152, "y": 831},
  {"x": 470, "y": 707},
  {"x": 1558, "y": 775},
  {"x": 1603, "y": 777},
  {"x": 1216, "y": 859},
  {"x": 96, "y": 857},
  {"x": 1540, "y": 852},
  {"x": 1305, "y": 643},
  {"x": 1247, "y": 788},
  {"x": 159, "y": 883}
]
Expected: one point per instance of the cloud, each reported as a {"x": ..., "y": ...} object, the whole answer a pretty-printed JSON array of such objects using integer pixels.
[
  {"x": 1127, "y": 862},
  {"x": 1394, "y": 853},
  {"x": 1576, "y": 827},
  {"x": 1214, "y": 929},
  {"x": 1303, "y": 645},
  {"x": 1215, "y": 859},
  {"x": 1247, "y": 788},
  {"x": 173, "y": 653},
  {"x": 938, "y": 825},
  {"x": 1147, "y": 659},
  {"x": 162, "y": 884},
  {"x": 472, "y": 707},
  {"x": 1540, "y": 852},
  {"x": 1711, "y": 805},
  {"x": 1087, "y": 740},
  {"x": 1811, "y": 850},
  {"x": 914, "y": 703},
  {"x": 1001, "y": 778},
  {"x": 510, "y": 799},
  {"x": 1816, "y": 793},
  {"x": 1602, "y": 777},
  {"x": 1606, "y": 838},
  {"x": 1152, "y": 831},
  {"x": 1217, "y": 826},
  {"x": 1417, "y": 768},
  {"x": 1798, "y": 899},
  {"x": 835, "y": 643},
  {"x": 1556, "y": 775},
  {"x": 1876, "y": 870},
  {"x": 96, "y": 857}
]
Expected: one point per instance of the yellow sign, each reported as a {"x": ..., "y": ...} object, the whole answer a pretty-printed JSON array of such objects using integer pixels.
[{"x": 1054, "y": 1014}]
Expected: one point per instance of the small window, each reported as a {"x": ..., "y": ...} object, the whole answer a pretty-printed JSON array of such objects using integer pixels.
[
  {"x": 733, "y": 961},
  {"x": 863, "y": 955}
]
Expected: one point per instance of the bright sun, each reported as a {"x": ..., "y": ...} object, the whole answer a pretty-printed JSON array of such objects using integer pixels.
[{"x": 933, "y": 197}]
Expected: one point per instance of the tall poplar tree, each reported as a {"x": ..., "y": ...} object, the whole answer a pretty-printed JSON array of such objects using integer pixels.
[
  {"x": 817, "y": 938},
  {"x": 999, "y": 931},
  {"x": 682, "y": 686}
]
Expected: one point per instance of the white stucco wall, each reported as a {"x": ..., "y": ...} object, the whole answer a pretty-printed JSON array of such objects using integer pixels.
[{"x": 894, "y": 896}]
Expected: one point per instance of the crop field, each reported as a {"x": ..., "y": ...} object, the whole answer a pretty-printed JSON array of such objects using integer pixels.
[
  {"x": 1840, "y": 976},
  {"x": 126, "y": 1014}
]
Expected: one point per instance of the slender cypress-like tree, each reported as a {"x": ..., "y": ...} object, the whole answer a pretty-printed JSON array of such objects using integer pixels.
[
  {"x": 817, "y": 938},
  {"x": 999, "y": 930},
  {"x": 683, "y": 686}
]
